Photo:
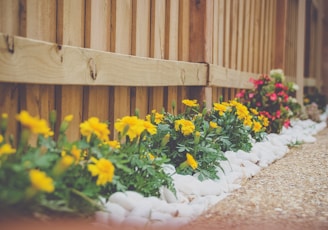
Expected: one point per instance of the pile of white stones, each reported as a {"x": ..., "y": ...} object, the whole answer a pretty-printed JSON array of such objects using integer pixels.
[{"x": 193, "y": 197}]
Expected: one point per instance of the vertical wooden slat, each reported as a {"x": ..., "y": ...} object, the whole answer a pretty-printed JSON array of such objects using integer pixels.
[
  {"x": 201, "y": 42},
  {"x": 141, "y": 47},
  {"x": 280, "y": 35},
  {"x": 241, "y": 36},
  {"x": 227, "y": 37},
  {"x": 246, "y": 35},
  {"x": 263, "y": 17},
  {"x": 257, "y": 23},
  {"x": 40, "y": 24},
  {"x": 171, "y": 47},
  {"x": 234, "y": 31},
  {"x": 97, "y": 36},
  {"x": 216, "y": 32},
  {"x": 183, "y": 55},
  {"x": 221, "y": 32},
  {"x": 9, "y": 92},
  {"x": 158, "y": 8},
  {"x": 121, "y": 43},
  {"x": 70, "y": 31},
  {"x": 300, "y": 50},
  {"x": 251, "y": 38}
]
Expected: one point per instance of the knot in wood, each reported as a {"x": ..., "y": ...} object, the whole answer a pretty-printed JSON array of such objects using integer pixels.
[{"x": 93, "y": 68}]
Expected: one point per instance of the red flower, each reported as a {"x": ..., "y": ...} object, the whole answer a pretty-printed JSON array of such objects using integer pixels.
[{"x": 256, "y": 82}]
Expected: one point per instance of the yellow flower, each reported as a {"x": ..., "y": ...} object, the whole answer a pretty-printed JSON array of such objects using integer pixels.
[
  {"x": 41, "y": 181},
  {"x": 213, "y": 125},
  {"x": 4, "y": 115},
  {"x": 94, "y": 126},
  {"x": 150, "y": 127},
  {"x": 254, "y": 111},
  {"x": 248, "y": 121},
  {"x": 114, "y": 144},
  {"x": 265, "y": 120},
  {"x": 185, "y": 126},
  {"x": 158, "y": 117},
  {"x": 221, "y": 108},
  {"x": 306, "y": 100},
  {"x": 6, "y": 149},
  {"x": 66, "y": 161},
  {"x": 151, "y": 156},
  {"x": 102, "y": 168},
  {"x": 191, "y": 161},
  {"x": 130, "y": 126},
  {"x": 257, "y": 126},
  {"x": 36, "y": 125},
  {"x": 242, "y": 111},
  {"x": 190, "y": 103},
  {"x": 76, "y": 153},
  {"x": 68, "y": 118},
  {"x": 1, "y": 138}
]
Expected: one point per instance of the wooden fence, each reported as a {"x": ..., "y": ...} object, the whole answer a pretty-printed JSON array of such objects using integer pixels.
[{"x": 107, "y": 58}]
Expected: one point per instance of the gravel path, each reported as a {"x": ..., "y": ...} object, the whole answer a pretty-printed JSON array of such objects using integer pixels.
[{"x": 292, "y": 193}]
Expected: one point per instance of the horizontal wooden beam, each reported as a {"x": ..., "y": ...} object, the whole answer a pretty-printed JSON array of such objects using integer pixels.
[
  {"x": 24, "y": 60},
  {"x": 230, "y": 78}
]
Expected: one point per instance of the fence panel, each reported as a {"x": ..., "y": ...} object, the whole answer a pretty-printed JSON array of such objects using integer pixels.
[{"x": 235, "y": 38}]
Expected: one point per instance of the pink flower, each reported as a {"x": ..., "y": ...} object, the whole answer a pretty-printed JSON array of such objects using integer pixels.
[
  {"x": 256, "y": 82},
  {"x": 278, "y": 114},
  {"x": 240, "y": 94},
  {"x": 287, "y": 124},
  {"x": 273, "y": 96},
  {"x": 279, "y": 85},
  {"x": 251, "y": 95},
  {"x": 258, "y": 104}
]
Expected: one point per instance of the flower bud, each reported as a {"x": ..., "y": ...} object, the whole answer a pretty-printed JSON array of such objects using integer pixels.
[
  {"x": 165, "y": 139},
  {"x": 4, "y": 123},
  {"x": 196, "y": 137}
]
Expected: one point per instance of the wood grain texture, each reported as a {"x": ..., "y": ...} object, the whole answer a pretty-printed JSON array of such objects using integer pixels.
[{"x": 47, "y": 63}]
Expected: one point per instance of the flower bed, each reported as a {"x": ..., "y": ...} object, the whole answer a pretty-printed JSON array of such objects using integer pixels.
[{"x": 165, "y": 169}]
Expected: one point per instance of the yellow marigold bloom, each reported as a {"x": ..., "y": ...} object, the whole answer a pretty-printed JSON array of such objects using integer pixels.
[
  {"x": 36, "y": 125},
  {"x": 264, "y": 120},
  {"x": 242, "y": 112},
  {"x": 6, "y": 149},
  {"x": 257, "y": 126},
  {"x": 213, "y": 125},
  {"x": 114, "y": 144},
  {"x": 76, "y": 153},
  {"x": 130, "y": 126},
  {"x": 102, "y": 168},
  {"x": 151, "y": 156},
  {"x": 248, "y": 121},
  {"x": 158, "y": 117},
  {"x": 150, "y": 127},
  {"x": 4, "y": 115},
  {"x": 191, "y": 161},
  {"x": 68, "y": 118},
  {"x": 185, "y": 126},
  {"x": 234, "y": 103},
  {"x": 66, "y": 161},
  {"x": 1, "y": 138},
  {"x": 94, "y": 126},
  {"x": 221, "y": 108},
  {"x": 254, "y": 111},
  {"x": 41, "y": 181},
  {"x": 190, "y": 103}
]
